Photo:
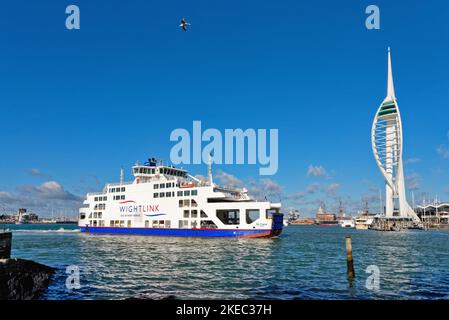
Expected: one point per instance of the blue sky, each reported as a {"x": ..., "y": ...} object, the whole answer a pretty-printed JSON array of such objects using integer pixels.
[{"x": 76, "y": 105}]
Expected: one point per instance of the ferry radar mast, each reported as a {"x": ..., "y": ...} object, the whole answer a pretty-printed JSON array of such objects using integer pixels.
[
  {"x": 209, "y": 171},
  {"x": 122, "y": 176}
]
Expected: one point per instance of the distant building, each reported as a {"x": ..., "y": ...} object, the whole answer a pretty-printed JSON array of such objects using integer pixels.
[
  {"x": 26, "y": 217},
  {"x": 325, "y": 218},
  {"x": 436, "y": 213}
]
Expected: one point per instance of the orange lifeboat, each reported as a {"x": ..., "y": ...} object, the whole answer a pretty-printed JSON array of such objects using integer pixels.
[{"x": 187, "y": 185}]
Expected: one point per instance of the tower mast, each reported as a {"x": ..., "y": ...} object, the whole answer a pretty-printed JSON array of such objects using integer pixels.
[{"x": 387, "y": 143}]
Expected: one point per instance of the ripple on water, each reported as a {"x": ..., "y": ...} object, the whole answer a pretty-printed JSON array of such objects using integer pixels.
[{"x": 305, "y": 262}]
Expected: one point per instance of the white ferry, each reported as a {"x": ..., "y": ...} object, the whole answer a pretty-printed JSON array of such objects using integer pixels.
[{"x": 167, "y": 201}]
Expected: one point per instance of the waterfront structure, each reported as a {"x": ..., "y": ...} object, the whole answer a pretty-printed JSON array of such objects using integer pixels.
[
  {"x": 26, "y": 217},
  {"x": 434, "y": 214},
  {"x": 387, "y": 145},
  {"x": 167, "y": 201},
  {"x": 324, "y": 218}
]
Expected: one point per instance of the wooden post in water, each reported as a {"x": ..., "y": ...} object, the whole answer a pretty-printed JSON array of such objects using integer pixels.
[
  {"x": 5, "y": 245},
  {"x": 350, "y": 262}
]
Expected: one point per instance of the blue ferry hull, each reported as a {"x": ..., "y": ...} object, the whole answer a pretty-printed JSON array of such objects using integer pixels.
[{"x": 235, "y": 233}]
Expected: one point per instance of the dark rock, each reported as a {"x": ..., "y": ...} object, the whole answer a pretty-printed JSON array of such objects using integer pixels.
[
  {"x": 23, "y": 279},
  {"x": 152, "y": 296}
]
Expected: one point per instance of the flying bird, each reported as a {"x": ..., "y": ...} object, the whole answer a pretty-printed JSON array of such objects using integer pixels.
[{"x": 184, "y": 24}]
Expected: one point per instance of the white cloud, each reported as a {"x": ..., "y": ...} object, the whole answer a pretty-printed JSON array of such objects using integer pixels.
[
  {"x": 316, "y": 171},
  {"x": 48, "y": 190},
  {"x": 443, "y": 151},
  {"x": 228, "y": 180},
  {"x": 413, "y": 181},
  {"x": 332, "y": 188},
  {"x": 412, "y": 160},
  {"x": 37, "y": 173},
  {"x": 271, "y": 186},
  {"x": 313, "y": 188}
]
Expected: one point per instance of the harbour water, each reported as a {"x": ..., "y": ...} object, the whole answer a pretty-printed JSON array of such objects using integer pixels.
[{"x": 305, "y": 262}]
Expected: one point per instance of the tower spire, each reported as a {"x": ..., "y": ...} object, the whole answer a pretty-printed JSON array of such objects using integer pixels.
[{"x": 390, "y": 88}]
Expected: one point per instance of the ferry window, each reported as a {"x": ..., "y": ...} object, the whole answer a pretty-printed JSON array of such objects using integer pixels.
[
  {"x": 168, "y": 194},
  {"x": 122, "y": 197},
  {"x": 203, "y": 214},
  {"x": 194, "y": 214},
  {"x": 186, "y": 203},
  {"x": 95, "y": 215},
  {"x": 167, "y": 223},
  {"x": 155, "y": 224},
  {"x": 140, "y": 170},
  {"x": 129, "y": 223},
  {"x": 152, "y": 171},
  {"x": 183, "y": 224},
  {"x": 105, "y": 198},
  {"x": 111, "y": 223},
  {"x": 90, "y": 215},
  {"x": 173, "y": 194},
  {"x": 156, "y": 195},
  {"x": 100, "y": 215},
  {"x": 147, "y": 223},
  {"x": 180, "y": 203},
  {"x": 122, "y": 223},
  {"x": 161, "y": 195},
  {"x": 186, "y": 213},
  {"x": 194, "y": 224},
  {"x": 136, "y": 170},
  {"x": 179, "y": 193},
  {"x": 162, "y": 185},
  {"x": 187, "y": 192},
  {"x": 96, "y": 199},
  {"x": 123, "y": 189},
  {"x": 95, "y": 223},
  {"x": 82, "y": 216},
  {"x": 231, "y": 216},
  {"x": 117, "y": 223},
  {"x": 156, "y": 186},
  {"x": 208, "y": 224},
  {"x": 194, "y": 192},
  {"x": 194, "y": 204},
  {"x": 252, "y": 215}
]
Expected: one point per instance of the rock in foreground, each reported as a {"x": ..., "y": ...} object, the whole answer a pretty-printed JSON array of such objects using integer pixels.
[{"x": 23, "y": 279}]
